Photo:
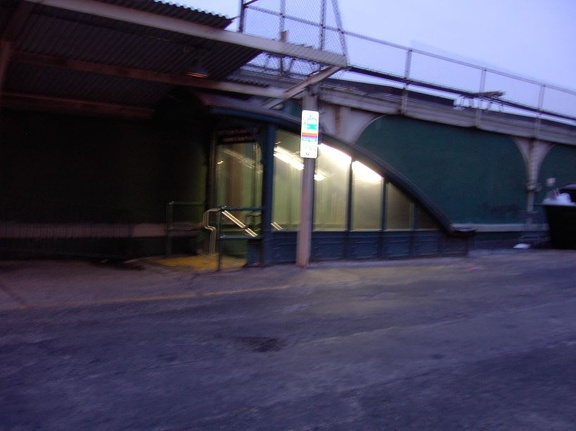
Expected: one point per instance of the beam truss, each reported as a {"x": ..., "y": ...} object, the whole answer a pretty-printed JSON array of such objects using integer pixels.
[
  {"x": 332, "y": 62},
  {"x": 198, "y": 30}
]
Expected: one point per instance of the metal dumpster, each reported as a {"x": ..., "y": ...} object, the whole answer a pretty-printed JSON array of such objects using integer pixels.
[{"x": 562, "y": 220}]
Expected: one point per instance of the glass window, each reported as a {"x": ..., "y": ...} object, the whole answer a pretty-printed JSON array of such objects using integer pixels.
[
  {"x": 239, "y": 175},
  {"x": 331, "y": 192},
  {"x": 288, "y": 168},
  {"x": 331, "y": 195},
  {"x": 425, "y": 221},
  {"x": 366, "y": 198},
  {"x": 398, "y": 209}
]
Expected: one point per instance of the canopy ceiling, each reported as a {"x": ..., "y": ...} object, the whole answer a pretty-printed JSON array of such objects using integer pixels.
[{"x": 121, "y": 57}]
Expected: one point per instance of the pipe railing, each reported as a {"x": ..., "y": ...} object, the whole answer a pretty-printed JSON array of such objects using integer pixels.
[
  {"x": 191, "y": 221},
  {"x": 218, "y": 231},
  {"x": 405, "y": 66}
]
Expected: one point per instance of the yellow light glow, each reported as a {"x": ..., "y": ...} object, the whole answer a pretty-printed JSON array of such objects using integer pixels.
[
  {"x": 337, "y": 155},
  {"x": 364, "y": 173},
  {"x": 288, "y": 158}
]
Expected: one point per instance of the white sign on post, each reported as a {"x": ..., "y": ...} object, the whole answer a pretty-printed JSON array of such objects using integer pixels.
[{"x": 310, "y": 134}]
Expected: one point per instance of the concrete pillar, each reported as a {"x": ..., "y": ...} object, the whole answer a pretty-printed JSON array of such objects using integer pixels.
[
  {"x": 267, "y": 193},
  {"x": 534, "y": 151}
]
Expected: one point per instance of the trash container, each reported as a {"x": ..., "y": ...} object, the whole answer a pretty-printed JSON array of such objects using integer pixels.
[
  {"x": 570, "y": 190},
  {"x": 561, "y": 217}
]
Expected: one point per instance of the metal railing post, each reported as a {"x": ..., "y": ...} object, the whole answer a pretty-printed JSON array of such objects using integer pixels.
[
  {"x": 539, "y": 115},
  {"x": 478, "y": 118},
  {"x": 169, "y": 220},
  {"x": 216, "y": 232},
  {"x": 218, "y": 238},
  {"x": 192, "y": 224},
  {"x": 407, "y": 67}
]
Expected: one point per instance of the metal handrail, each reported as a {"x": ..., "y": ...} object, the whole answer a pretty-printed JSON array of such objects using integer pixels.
[
  {"x": 170, "y": 221},
  {"x": 212, "y": 229},
  {"x": 239, "y": 223},
  {"x": 216, "y": 234}
]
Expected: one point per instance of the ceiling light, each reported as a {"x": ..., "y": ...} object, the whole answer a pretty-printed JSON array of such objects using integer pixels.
[{"x": 196, "y": 70}]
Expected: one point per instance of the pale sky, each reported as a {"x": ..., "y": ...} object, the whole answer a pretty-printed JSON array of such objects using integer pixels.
[{"x": 530, "y": 38}]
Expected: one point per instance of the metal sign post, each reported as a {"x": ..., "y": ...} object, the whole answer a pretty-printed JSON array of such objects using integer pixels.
[
  {"x": 309, "y": 142},
  {"x": 309, "y": 134}
]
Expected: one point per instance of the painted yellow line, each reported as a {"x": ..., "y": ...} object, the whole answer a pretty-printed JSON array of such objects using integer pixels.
[
  {"x": 22, "y": 304},
  {"x": 157, "y": 298}
]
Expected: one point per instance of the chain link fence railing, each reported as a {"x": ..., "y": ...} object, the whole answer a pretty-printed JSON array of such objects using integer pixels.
[
  {"x": 318, "y": 25},
  {"x": 301, "y": 22}
]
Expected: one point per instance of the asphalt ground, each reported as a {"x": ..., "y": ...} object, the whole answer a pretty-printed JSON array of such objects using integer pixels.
[{"x": 486, "y": 342}]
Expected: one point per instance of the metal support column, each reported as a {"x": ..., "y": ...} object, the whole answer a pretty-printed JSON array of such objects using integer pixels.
[
  {"x": 13, "y": 28},
  {"x": 5, "y": 51},
  {"x": 267, "y": 193},
  {"x": 304, "y": 239}
]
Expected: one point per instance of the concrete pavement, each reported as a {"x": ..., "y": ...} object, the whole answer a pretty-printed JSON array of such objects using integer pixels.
[{"x": 484, "y": 342}]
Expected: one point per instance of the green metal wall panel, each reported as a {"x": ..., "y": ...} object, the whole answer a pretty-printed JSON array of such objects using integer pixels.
[
  {"x": 135, "y": 166},
  {"x": 471, "y": 175}
]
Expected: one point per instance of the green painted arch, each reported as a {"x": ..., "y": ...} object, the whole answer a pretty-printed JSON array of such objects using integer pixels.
[
  {"x": 472, "y": 176},
  {"x": 559, "y": 163}
]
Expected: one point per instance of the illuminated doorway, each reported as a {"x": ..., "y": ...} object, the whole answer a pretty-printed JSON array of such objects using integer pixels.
[{"x": 237, "y": 186}]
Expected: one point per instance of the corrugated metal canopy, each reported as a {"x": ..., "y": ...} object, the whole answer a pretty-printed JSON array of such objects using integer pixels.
[{"x": 56, "y": 54}]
